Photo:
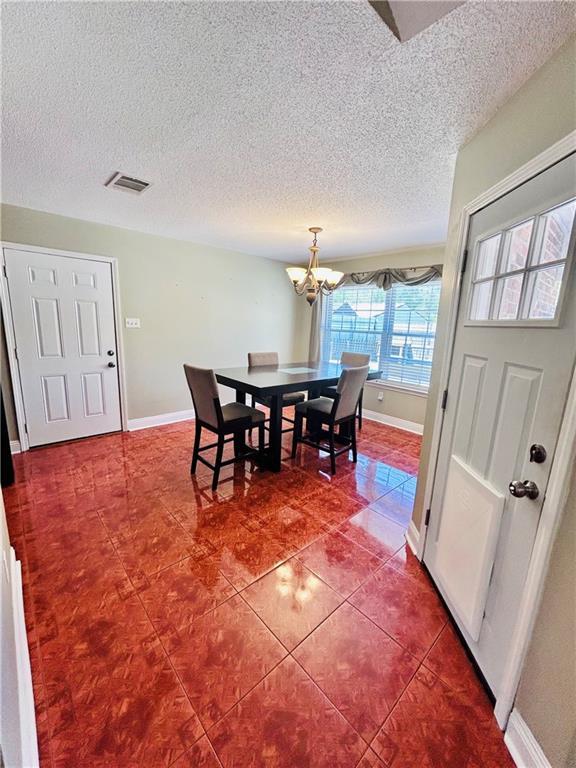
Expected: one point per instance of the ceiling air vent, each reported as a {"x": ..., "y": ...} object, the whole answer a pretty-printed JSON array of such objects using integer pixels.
[{"x": 127, "y": 183}]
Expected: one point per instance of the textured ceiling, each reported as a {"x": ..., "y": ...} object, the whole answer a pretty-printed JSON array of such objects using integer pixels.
[{"x": 256, "y": 120}]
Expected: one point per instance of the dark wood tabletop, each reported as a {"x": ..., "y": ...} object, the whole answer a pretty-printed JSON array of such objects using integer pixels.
[
  {"x": 274, "y": 381},
  {"x": 285, "y": 377}
]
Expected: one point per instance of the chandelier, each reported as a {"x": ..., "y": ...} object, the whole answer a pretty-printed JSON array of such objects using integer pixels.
[{"x": 315, "y": 279}]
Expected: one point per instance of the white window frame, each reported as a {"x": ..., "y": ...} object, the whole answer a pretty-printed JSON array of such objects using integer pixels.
[
  {"x": 529, "y": 268},
  {"x": 391, "y": 384}
]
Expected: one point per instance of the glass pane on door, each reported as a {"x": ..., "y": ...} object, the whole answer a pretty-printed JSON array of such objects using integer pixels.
[
  {"x": 557, "y": 229},
  {"x": 543, "y": 292},
  {"x": 488, "y": 257}
]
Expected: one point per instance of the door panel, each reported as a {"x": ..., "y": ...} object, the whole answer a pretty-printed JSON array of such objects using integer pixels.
[
  {"x": 514, "y": 352},
  {"x": 63, "y": 314}
]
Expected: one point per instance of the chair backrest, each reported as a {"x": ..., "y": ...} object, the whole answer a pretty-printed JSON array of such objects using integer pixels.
[
  {"x": 262, "y": 358},
  {"x": 354, "y": 359},
  {"x": 349, "y": 387},
  {"x": 204, "y": 391}
]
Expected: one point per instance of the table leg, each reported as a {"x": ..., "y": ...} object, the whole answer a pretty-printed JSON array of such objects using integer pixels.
[
  {"x": 240, "y": 437},
  {"x": 275, "y": 449}
]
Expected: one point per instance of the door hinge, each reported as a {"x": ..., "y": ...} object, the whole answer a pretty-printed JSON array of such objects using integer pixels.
[
  {"x": 444, "y": 399},
  {"x": 427, "y": 518},
  {"x": 15, "y": 353},
  {"x": 4, "y": 270},
  {"x": 464, "y": 261}
]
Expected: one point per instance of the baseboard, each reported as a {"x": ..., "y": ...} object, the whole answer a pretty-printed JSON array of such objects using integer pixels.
[
  {"x": 525, "y": 750},
  {"x": 392, "y": 421},
  {"x": 159, "y": 420},
  {"x": 15, "y": 446},
  {"x": 413, "y": 538}
]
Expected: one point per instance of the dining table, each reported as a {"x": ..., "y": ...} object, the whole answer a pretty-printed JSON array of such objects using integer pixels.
[{"x": 273, "y": 382}]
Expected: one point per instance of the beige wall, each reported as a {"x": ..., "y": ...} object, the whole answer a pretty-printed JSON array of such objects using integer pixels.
[
  {"x": 399, "y": 405},
  {"x": 547, "y": 693},
  {"x": 539, "y": 114},
  {"x": 197, "y": 304}
]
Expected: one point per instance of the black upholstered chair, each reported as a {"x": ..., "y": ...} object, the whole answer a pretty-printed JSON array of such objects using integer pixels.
[
  {"x": 327, "y": 412},
  {"x": 231, "y": 419},
  {"x": 256, "y": 359},
  {"x": 355, "y": 360}
]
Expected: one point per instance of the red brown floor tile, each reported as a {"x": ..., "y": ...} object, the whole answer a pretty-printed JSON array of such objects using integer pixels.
[
  {"x": 360, "y": 669},
  {"x": 407, "y": 563},
  {"x": 433, "y": 725},
  {"x": 286, "y": 722},
  {"x": 339, "y": 562},
  {"x": 330, "y": 505},
  {"x": 177, "y": 595},
  {"x": 222, "y": 655},
  {"x": 374, "y": 532},
  {"x": 130, "y": 566},
  {"x": 409, "y": 613},
  {"x": 201, "y": 755},
  {"x": 448, "y": 660},
  {"x": 292, "y": 601},
  {"x": 397, "y": 505},
  {"x": 370, "y": 760}
]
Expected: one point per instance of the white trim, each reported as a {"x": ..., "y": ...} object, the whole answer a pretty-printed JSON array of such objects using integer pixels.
[
  {"x": 156, "y": 421},
  {"x": 15, "y": 446},
  {"x": 120, "y": 345},
  {"x": 525, "y": 750},
  {"x": 383, "y": 384},
  {"x": 393, "y": 421},
  {"x": 11, "y": 339},
  {"x": 412, "y": 537},
  {"x": 561, "y": 470},
  {"x": 12, "y": 359},
  {"x": 25, "y": 703}
]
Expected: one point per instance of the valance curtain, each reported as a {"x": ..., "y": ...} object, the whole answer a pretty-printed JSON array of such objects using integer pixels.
[{"x": 383, "y": 278}]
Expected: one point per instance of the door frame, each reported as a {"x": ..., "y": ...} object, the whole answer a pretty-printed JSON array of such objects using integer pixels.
[
  {"x": 7, "y": 317},
  {"x": 565, "y": 455}
]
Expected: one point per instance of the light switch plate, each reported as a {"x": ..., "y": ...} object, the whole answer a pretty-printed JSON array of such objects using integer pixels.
[{"x": 132, "y": 322}]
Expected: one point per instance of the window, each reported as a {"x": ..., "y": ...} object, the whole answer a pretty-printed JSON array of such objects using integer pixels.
[
  {"x": 395, "y": 327},
  {"x": 518, "y": 272}
]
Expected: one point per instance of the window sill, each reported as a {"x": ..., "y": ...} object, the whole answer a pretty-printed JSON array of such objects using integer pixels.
[{"x": 405, "y": 390}]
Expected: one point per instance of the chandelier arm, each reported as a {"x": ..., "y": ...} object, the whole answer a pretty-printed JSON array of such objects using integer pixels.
[{"x": 301, "y": 288}]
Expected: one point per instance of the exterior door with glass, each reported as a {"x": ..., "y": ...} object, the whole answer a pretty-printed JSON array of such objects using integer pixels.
[{"x": 513, "y": 359}]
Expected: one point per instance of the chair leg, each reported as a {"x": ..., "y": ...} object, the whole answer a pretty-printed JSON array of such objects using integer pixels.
[
  {"x": 261, "y": 437},
  {"x": 332, "y": 449},
  {"x": 360, "y": 408},
  {"x": 218, "y": 462},
  {"x": 296, "y": 433},
  {"x": 196, "y": 449},
  {"x": 353, "y": 440}
]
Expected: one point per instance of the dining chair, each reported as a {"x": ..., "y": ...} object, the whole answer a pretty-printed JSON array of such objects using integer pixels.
[
  {"x": 355, "y": 360},
  {"x": 232, "y": 418},
  {"x": 332, "y": 412},
  {"x": 257, "y": 359}
]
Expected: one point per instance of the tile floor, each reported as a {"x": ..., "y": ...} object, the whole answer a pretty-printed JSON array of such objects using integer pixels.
[{"x": 280, "y": 622}]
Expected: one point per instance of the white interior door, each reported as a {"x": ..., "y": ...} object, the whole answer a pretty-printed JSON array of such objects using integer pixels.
[
  {"x": 63, "y": 314},
  {"x": 513, "y": 359}
]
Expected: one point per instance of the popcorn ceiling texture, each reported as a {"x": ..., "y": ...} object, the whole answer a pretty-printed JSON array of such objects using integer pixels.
[{"x": 255, "y": 120}]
